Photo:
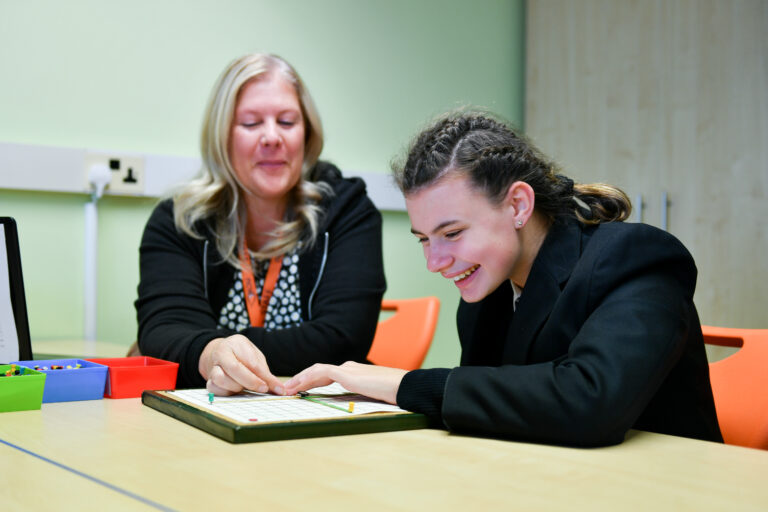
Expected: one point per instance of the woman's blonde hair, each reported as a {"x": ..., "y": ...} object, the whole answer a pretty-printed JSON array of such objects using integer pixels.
[{"x": 216, "y": 192}]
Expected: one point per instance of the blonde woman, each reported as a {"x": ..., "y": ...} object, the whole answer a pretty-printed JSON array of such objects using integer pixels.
[{"x": 269, "y": 260}]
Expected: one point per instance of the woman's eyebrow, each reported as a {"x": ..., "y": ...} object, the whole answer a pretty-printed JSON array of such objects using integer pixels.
[{"x": 437, "y": 228}]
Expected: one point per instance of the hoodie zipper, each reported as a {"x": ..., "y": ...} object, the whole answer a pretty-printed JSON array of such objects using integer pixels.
[
  {"x": 319, "y": 276},
  {"x": 205, "y": 268}
]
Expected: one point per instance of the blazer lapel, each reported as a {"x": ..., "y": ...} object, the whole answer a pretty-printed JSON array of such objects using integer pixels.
[{"x": 551, "y": 269}]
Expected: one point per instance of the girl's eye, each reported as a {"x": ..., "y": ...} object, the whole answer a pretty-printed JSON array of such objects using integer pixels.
[
  {"x": 287, "y": 123},
  {"x": 422, "y": 239},
  {"x": 452, "y": 234}
]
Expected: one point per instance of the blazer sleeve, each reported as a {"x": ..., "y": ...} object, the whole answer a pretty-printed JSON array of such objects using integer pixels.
[{"x": 628, "y": 302}]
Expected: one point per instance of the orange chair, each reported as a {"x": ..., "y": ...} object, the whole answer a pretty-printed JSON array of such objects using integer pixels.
[
  {"x": 402, "y": 340},
  {"x": 740, "y": 385}
]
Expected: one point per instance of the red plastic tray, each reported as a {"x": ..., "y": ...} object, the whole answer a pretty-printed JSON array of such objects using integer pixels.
[{"x": 129, "y": 376}]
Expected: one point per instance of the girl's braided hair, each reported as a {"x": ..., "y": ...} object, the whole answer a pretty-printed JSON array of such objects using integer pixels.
[{"x": 494, "y": 156}]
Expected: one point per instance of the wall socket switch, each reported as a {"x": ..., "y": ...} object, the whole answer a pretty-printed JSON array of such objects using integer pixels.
[{"x": 127, "y": 172}]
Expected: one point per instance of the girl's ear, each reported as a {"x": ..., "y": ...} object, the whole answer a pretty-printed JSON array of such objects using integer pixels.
[{"x": 520, "y": 200}]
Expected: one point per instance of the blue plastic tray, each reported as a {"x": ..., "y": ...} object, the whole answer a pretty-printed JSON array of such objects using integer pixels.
[{"x": 69, "y": 385}]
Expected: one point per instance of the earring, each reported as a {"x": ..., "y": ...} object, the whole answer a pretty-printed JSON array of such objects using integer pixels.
[{"x": 519, "y": 224}]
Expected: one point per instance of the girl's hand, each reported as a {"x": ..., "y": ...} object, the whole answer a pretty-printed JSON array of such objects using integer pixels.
[{"x": 377, "y": 382}]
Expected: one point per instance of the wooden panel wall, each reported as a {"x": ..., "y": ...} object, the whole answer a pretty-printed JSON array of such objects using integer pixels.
[{"x": 666, "y": 96}]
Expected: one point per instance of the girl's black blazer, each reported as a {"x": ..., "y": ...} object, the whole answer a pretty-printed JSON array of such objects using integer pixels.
[{"x": 605, "y": 338}]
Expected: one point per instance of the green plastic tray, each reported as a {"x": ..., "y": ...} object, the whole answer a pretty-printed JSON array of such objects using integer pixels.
[{"x": 21, "y": 392}]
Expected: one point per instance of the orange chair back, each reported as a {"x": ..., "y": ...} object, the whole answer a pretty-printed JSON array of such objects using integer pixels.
[
  {"x": 740, "y": 385},
  {"x": 402, "y": 340}
]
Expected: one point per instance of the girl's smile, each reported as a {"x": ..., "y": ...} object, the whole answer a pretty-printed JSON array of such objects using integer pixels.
[{"x": 465, "y": 237}]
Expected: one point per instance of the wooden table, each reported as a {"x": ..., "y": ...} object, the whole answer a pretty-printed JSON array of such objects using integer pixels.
[
  {"x": 118, "y": 454},
  {"x": 121, "y": 455}
]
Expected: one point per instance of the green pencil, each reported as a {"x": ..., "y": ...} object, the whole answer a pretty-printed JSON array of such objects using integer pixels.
[{"x": 304, "y": 397}]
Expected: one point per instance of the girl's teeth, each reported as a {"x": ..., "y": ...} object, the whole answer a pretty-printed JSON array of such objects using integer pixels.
[{"x": 465, "y": 274}]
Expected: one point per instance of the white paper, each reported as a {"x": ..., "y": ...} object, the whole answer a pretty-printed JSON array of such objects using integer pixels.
[
  {"x": 9, "y": 340},
  {"x": 257, "y": 408}
]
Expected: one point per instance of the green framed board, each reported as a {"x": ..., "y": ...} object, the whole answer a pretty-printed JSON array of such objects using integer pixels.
[{"x": 216, "y": 419}]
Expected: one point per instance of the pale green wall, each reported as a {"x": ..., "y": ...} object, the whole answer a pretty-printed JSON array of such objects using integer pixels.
[{"x": 134, "y": 76}]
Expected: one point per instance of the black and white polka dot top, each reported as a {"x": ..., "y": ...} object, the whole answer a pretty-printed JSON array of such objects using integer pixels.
[{"x": 284, "y": 306}]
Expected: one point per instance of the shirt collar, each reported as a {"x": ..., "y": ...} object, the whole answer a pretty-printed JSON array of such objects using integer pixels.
[{"x": 517, "y": 292}]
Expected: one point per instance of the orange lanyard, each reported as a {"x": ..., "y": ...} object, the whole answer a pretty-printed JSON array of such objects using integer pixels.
[{"x": 257, "y": 308}]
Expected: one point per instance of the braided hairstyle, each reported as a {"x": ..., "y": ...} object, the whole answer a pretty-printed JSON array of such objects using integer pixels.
[{"x": 493, "y": 156}]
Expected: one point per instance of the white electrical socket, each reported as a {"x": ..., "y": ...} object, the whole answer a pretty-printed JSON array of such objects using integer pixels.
[{"x": 127, "y": 172}]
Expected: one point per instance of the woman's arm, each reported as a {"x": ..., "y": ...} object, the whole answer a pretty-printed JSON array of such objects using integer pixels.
[{"x": 174, "y": 315}]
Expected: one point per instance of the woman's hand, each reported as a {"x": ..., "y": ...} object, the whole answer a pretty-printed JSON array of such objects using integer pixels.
[
  {"x": 233, "y": 364},
  {"x": 377, "y": 382}
]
